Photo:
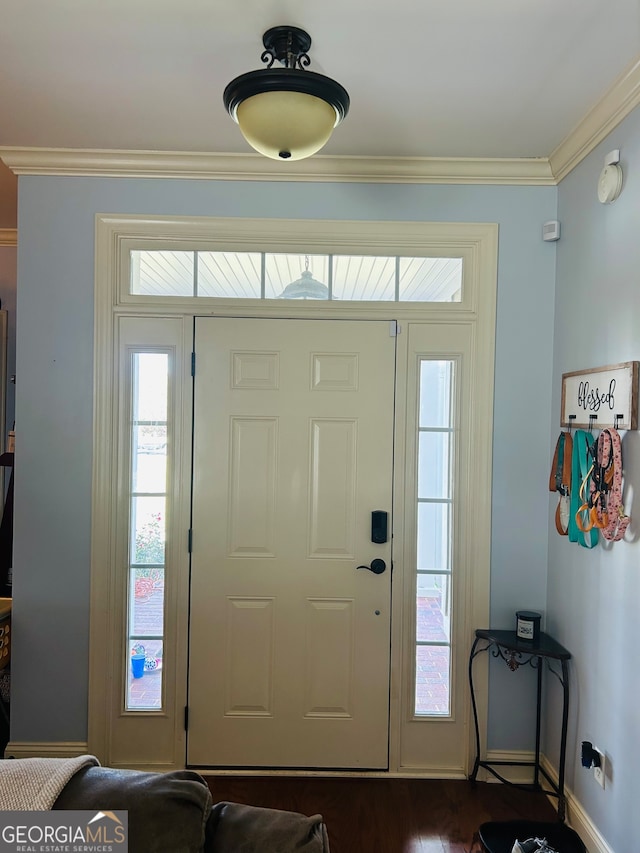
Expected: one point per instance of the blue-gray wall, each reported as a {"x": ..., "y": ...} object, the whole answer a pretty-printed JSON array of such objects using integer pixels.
[
  {"x": 54, "y": 405},
  {"x": 593, "y": 596},
  {"x": 8, "y": 276}
]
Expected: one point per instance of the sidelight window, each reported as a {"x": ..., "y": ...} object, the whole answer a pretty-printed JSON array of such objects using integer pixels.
[
  {"x": 434, "y": 545},
  {"x": 147, "y": 536}
]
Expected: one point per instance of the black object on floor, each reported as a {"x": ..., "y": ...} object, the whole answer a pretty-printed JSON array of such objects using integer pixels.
[{"x": 499, "y": 836}]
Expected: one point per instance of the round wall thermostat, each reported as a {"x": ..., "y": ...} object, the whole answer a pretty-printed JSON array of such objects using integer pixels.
[
  {"x": 528, "y": 625},
  {"x": 609, "y": 183}
]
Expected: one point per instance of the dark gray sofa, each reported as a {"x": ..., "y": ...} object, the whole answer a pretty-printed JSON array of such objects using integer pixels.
[{"x": 174, "y": 813}]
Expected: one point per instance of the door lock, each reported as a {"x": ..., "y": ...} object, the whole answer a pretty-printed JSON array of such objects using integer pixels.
[{"x": 379, "y": 524}]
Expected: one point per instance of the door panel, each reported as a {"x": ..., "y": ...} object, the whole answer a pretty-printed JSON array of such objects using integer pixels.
[{"x": 293, "y": 450}]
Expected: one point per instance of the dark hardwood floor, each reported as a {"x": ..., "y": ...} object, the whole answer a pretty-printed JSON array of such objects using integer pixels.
[{"x": 389, "y": 815}]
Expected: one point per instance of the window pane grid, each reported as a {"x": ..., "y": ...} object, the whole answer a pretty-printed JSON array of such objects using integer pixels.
[
  {"x": 265, "y": 275},
  {"x": 432, "y": 680},
  {"x": 217, "y": 276},
  {"x": 162, "y": 273},
  {"x": 147, "y": 513},
  {"x": 146, "y": 636},
  {"x": 434, "y": 501}
]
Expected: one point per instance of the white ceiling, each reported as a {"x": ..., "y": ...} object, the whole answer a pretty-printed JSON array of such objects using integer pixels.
[{"x": 432, "y": 78}]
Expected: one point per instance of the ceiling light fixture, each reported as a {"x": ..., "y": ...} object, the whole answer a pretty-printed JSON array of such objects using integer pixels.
[{"x": 286, "y": 113}]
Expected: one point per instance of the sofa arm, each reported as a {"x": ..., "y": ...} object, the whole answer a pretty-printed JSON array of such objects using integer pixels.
[
  {"x": 236, "y": 828},
  {"x": 168, "y": 812}
]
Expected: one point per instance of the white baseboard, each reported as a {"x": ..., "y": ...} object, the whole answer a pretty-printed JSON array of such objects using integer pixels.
[
  {"x": 518, "y": 775},
  {"x": 16, "y": 749},
  {"x": 577, "y": 817}
]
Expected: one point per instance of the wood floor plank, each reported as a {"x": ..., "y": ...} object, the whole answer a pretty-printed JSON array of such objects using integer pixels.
[{"x": 389, "y": 815}]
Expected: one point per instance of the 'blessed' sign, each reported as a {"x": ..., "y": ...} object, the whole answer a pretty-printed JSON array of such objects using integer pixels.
[{"x": 601, "y": 397}]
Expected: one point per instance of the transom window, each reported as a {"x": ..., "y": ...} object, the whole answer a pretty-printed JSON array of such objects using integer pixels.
[{"x": 266, "y": 275}]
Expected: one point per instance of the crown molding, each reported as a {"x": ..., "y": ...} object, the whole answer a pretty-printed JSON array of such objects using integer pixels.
[
  {"x": 615, "y": 105},
  {"x": 621, "y": 98},
  {"x": 8, "y": 236},
  {"x": 253, "y": 167}
]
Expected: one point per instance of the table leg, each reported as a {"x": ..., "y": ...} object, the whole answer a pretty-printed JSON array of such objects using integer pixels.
[
  {"x": 476, "y": 764},
  {"x": 563, "y": 740},
  {"x": 536, "y": 770}
]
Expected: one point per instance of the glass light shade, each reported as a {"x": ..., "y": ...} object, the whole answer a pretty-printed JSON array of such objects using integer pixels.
[
  {"x": 306, "y": 287},
  {"x": 284, "y": 123}
]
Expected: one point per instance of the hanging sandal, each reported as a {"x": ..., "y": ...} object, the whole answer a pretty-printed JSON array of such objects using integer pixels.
[
  {"x": 609, "y": 453},
  {"x": 560, "y": 480},
  {"x": 580, "y": 528}
]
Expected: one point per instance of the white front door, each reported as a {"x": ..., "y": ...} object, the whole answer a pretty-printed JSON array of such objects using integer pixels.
[{"x": 293, "y": 450}]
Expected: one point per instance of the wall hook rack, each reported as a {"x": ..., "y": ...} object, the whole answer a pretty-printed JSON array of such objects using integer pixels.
[{"x": 606, "y": 394}]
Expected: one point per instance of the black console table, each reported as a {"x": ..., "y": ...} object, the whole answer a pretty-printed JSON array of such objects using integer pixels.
[{"x": 516, "y": 653}]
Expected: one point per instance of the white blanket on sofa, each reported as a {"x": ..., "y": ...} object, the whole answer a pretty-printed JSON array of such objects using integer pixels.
[{"x": 32, "y": 784}]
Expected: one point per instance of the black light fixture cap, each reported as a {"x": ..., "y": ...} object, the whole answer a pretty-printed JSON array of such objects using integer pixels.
[
  {"x": 282, "y": 41},
  {"x": 286, "y": 80}
]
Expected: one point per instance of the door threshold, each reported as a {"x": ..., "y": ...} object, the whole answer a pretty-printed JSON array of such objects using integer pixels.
[{"x": 346, "y": 774}]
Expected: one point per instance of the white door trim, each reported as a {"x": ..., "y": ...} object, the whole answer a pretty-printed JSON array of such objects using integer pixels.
[{"x": 115, "y": 236}]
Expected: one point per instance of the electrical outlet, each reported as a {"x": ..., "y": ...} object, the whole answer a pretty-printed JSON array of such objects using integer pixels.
[{"x": 600, "y": 771}]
